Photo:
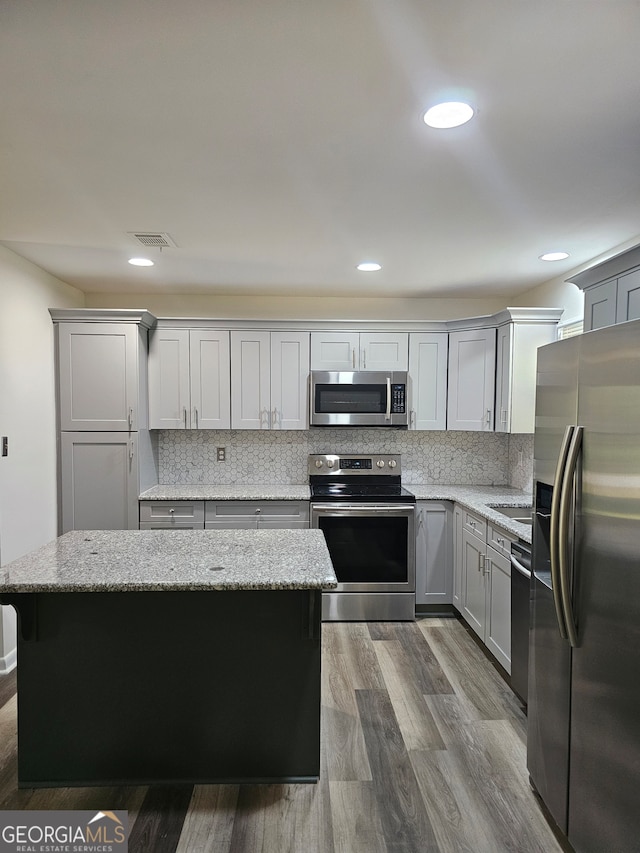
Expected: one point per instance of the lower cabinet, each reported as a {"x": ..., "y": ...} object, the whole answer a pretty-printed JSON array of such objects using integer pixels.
[
  {"x": 434, "y": 575},
  {"x": 270, "y": 515},
  {"x": 482, "y": 581},
  {"x": 100, "y": 476},
  {"x": 171, "y": 515},
  {"x": 221, "y": 515}
]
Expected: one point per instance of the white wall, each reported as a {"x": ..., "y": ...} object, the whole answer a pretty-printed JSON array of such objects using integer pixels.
[
  {"x": 298, "y": 307},
  {"x": 559, "y": 293},
  {"x": 28, "y": 496}
]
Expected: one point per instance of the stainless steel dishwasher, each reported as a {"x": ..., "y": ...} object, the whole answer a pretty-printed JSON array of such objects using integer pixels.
[{"x": 520, "y": 603}]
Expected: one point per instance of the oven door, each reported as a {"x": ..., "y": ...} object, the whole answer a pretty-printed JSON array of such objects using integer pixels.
[{"x": 372, "y": 546}]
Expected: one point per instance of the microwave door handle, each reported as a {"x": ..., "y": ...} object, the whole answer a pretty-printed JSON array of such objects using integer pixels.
[
  {"x": 387, "y": 416},
  {"x": 554, "y": 536}
]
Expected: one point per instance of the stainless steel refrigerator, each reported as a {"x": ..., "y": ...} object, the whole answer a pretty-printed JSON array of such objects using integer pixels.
[{"x": 583, "y": 749}]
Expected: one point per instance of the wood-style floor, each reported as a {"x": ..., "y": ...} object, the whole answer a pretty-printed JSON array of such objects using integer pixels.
[{"x": 423, "y": 750}]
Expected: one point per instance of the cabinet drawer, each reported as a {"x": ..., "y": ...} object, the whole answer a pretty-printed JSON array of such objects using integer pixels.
[
  {"x": 171, "y": 525},
  {"x": 274, "y": 514},
  {"x": 499, "y": 539},
  {"x": 172, "y": 512},
  {"x": 475, "y": 524}
]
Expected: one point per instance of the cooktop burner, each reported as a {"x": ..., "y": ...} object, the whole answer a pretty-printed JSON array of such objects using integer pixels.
[{"x": 359, "y": 491}]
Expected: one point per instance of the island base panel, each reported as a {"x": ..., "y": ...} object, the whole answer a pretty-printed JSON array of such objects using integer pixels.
[{"x": 152, "y": 687}]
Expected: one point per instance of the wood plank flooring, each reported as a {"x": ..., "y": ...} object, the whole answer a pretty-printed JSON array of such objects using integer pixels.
[{"x": 423, "y": 750}]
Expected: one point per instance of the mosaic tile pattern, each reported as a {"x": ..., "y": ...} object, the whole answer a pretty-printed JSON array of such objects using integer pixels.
[
  {"x": 521, "y": 466},
  {"x": 263, "y": 456}
]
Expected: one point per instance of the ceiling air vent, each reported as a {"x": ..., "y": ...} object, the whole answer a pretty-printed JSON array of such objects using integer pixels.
[{"x": 154, "y": 239}]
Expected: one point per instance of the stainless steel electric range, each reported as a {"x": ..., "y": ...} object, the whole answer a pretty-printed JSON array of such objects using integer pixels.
[{"x": 368, "y": 519}]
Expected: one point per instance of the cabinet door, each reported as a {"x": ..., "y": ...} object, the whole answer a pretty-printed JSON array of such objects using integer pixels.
[
  {"x": 250, "y": 380},
  {"x": 498, "y": 627},
  {"x": 99, "y": 478},
  {"x": 256, "y": 514},
  {"x": 457, "y": 557},
  {"x": 600, "y": 305},
  {"x": 472, "y": 359},
  {"x": 335, "y": 351},
  {"x": 433, "y": 553},
  {"x": 628, "y": 301},
  {"x": 210, "y": 371},
  {"x": 473, "y": 582},
  {"x": 503, "y": 377},
  {"x": 169, "y": 397},
  {"x": 98, "y": 376},
  {"x": 428, "y": 378},
  {"x": 289, "y": 380},
  {"x": 384, "y": 351}
]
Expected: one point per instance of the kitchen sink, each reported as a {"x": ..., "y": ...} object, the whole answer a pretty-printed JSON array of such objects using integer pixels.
[{"x": 523, "y": 514}]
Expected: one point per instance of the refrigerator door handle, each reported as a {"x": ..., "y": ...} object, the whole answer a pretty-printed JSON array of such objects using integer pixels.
[
  {"x": 554, "y": 534},
  {"x": 565, "y": 519}
]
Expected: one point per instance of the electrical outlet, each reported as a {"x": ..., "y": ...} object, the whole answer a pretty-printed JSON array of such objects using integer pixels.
[
  {"x": 221, "y": 454},
  {"x": 5, "y": 445},
  {"x": 520, "y": 457}
]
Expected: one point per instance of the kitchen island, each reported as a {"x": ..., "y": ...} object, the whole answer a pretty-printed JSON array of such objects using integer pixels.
[{"x": 169, "y": 656}]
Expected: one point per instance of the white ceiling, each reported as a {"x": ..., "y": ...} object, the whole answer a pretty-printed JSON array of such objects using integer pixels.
[{"x": 280, "y": 142}]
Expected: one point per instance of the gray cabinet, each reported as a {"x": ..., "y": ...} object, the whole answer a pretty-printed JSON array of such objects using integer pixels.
[
  {"x": 189, "y": 379},
  {"x": 516, "y": 357},
  {"x": 106, "y": 455},
  {"x": 428, "y": 380},
  {"x": 434, "y": 576},
  {"x": 611, "y": 290},
  {"x": 359, "y": 351},
  {"x": 270, "y": 380},
  {"x": 484, "y": 573},
  {"x": 101, "y": 369},
  {"x": 171, "y": 515},
  {"x": 99, "y": 480},
  {"x": 600, "y": 305},
  {"x": 471, "y": 384},
  {"x": 257, "y": 514},
  {"x": 628, "y": 297}
]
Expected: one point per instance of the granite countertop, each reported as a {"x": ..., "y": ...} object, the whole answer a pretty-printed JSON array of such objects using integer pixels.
[
  {"x": 266, "y": 492},
  {"x": 139, "y": 560},
  {"x": 476, "y": 498},
  {"x": 481, "y": 499}
]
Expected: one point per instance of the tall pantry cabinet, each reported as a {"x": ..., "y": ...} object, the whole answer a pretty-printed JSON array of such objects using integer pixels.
[{"x": 105, "y": 451}]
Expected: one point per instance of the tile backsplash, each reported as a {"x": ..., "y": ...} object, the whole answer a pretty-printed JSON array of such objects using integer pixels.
[{"x": 265, "y": 456}]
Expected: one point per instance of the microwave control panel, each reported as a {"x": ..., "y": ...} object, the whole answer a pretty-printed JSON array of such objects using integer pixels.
[{"x": 398, "y": 399}]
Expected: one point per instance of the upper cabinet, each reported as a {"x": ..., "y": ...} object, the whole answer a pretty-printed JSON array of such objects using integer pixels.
[
  {"x": 518, "y": 340},
  {"x": 611, "y": 290},
  {"x": 270, "y": 380},
  {"x": 189, "y": 379},
  {"x": 471, "y": 386},
  {"x": 428, "y": 380},
  {"x": 350, "y": 351},
  {"x": 101, "y": 375}
]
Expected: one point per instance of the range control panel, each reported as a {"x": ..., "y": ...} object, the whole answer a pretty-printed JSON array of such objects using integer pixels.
[{"x": 355, "y": 463}]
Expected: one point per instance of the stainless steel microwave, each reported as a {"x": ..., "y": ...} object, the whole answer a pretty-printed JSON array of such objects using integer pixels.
[{"x": 364, "y": 398}]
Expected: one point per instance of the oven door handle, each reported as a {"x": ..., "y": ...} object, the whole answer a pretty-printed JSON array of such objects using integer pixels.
[{"x": 366, "y": 507}]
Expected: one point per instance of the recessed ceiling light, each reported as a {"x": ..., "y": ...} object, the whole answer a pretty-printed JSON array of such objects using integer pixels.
[
  {"x": 141, "y": 262},
  {"x": 448, "y": 114},
  {"x": 369, "y": 266},
  {"x": 553, "y": 256}
]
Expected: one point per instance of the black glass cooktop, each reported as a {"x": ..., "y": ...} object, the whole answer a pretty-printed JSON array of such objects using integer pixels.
[{"x": 361, "y": 492}]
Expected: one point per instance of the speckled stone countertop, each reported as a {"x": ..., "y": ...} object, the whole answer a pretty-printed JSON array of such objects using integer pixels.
[
  {"x": 258, "y": 492},
  {"x": 481, "y": 499},
  {"x": 140, "y": 560}
]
